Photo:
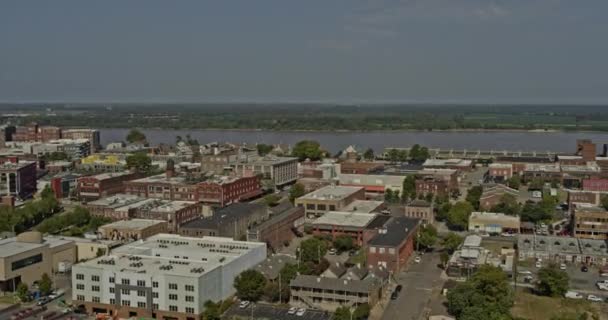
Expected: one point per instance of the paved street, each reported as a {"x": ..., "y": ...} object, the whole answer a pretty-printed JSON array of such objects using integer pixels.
[{"x": 419, "y": 282}]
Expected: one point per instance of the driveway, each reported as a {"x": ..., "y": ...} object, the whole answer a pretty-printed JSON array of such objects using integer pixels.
[{"x": 419, "y": 283}]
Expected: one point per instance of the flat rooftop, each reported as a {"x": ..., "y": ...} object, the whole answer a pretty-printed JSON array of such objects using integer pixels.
[
  {"x": 346, "y": 219},
  {"x": 173, "y": 255},
  {"x": 331, "y": 193},
  {"x": 117, "y": 200},
  {"x": 10, "y": 246},
  {"x": 447, "y": 162},
  {"x": 134, "y": 224},
  {"x": 109, "y": 175},
  {"x": 364, "y": 206},
  {"x": 268, "y": 160}
]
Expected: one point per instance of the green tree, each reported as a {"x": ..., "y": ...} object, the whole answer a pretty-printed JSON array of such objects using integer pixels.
[
  {"x": 451, "y": 242},
  {"x": 473, "y": 196},
  {"x": 369, "y": 154},
  {"x": 486, "y": 294},
  {"x": 391, "y": 196},
  {"x": 507, "y": 205},
  {"x": 22, "y": 292},
  {"x": 343, "y": 243},
  {"x": 418, "y": 153},
  {"x": 514, "y": 182},
  {"x": 536, "y": 184},
  {"x": 458, "y": 216},
  {"x": 307, "y": 149},
  {"x": 296, "y": 191},
  {"x": 136, "y": 136},
  {"x": 444, "y": 257},
  {"x": 393, "y": 155},
  {"x": 312, "y": 250},
  {"x": 552, "y": 281},
  {"x": 427, "y": 237},
  {"x": 342, "y": 313},
  {"x": 45, "y": 285},
  {"x": 361, "y": 312},
  {"x": 212, "y": 311},
  {"x": 402, "y": 155},
  {"x": 264, "y": 149},
  {"x": 271, "y": 200},
  {"x": 409, "y": 188},
  {"x": 442, "y": 211},
  {"x": 47, "y": 192},
  {"x": 604, "y": 200},
  {"x": 139, "y": 161},
  {"x": 250, "y": 285}
]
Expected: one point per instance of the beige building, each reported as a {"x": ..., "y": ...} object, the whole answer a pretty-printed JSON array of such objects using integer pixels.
[
  {"x": 87, "y": 249},
  {"x": 420, "y": 209},
  {"x": 330, "y": 198},
  {"x": 24, "y": 258},
  {"x": 134, "y": 229},
  {"x": 490, "y": 222},
  {"x": 590, "y": 222}
]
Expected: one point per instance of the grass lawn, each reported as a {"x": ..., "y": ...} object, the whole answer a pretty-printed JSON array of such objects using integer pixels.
[
  {"x": 529, "y": 306},
  {"x": 8, "y": 299}
]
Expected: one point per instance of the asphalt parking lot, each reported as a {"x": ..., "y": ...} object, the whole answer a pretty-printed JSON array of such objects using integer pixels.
[
  {"x": 582, "y": 282},
  {"x": 271, "y": 312}
]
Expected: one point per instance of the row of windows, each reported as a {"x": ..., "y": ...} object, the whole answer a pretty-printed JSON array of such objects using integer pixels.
[{"x": 381, "y": 250}]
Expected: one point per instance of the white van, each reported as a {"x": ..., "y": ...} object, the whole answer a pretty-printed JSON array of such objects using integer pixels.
[{"x": 573, "y": 295}]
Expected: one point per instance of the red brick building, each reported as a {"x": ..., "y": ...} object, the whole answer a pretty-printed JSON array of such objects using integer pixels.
[
  {"x": 361, "y": 227},
  {"x": 435, "y": 186},
  {"x": 586, "y": 149},
  {"x": 34, "y": 132},
  {"x": 500, "y": 171},
  {"x": 219, "y": 191},
  {"x": 102, "y": 185},
  {"x": 279, "y": 228},
  {"x": 393, "y": 245},
  {"x": 595, "y": 184}
]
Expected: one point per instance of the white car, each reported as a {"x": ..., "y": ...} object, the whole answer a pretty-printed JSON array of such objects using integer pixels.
[
  {"x": 562, "y": 266},
  {"x": 528, "y": 272},
  {"x": 417, "y": 259},
  {"x": 292, "y": 310},
  {"x": 244, "y": 304},
  {"x": 594, "y": 298},
  {"x": 602, "y": 286},
  {"x": 301, "y": 312},
  {"x": 573, "y": 295},
  {"x": 538, "y": 264},
  {"x": 332, "y": 252}
]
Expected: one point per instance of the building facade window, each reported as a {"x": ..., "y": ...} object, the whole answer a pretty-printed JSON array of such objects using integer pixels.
[
  {"x": 111, "y": 279},
  {"x": 96, "y": 299},
  {"x": 189, "y": 287},
  {"x": 125, "y": 281},
  {"x": 80, "y": 297},
  {"x": 80, "y": 286},
  {"x": 95, "y": 288},
  {"x": 95, "y": 278},
  {"x": 141, "y": 283},
  {"x": 124, "y": 292},
  {"x": 173, "y": 308},
  {"x": 141, "y": 293},
  {"x": 189, "y": 310},
  {"x": 25, "y": 262},
  {"x": 172, "y": 297},
  {"x": 154, "y": 284},
  {"x": 189, "y": 298},
  {"x": 141, "y": 304},
  {"x": 173, "y": 286},
  {"x": 79, "y": 276}
]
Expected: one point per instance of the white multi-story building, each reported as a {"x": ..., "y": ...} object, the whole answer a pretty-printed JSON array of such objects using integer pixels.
[{"x": 163, "y": 277}]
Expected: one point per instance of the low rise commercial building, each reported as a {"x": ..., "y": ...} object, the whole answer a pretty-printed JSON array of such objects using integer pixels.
[
  {"x": 456, "y": 164},
  {"x": 563, "y": 249},
  {"x": 492, "y": 196},
  {"x": 361, "y": 167},
  {"x": 102, "y": 163},
  {"x": 88, "y": 248},
  {"x": 439, "y": 182},
  {"x": 490, "y": 222},
  {"x": 373, "y": 183},
  {"x": 232, "y": 221},
  {"x": 279, "y": 228},
  {"x": 595, "y": 184},
  {"x": 420, "y": 209},
  {"x": 365, "y": 206},
  {"x": 330, "y": 198},
  {"x": 102, "y": 185},
  {"x": 589, "y": 197},
  {"x": 361, "y": 227},
  {"x": 24, "y": 258},
  {"x": 163, "y": 277},
  {"x": 134, "y": 229},
  {"x": 590, "y": 222},
  {"x": 279, "y": 170},
  {"x": 500, "y": 172},
  {"x": 17, "y": 178},
  {"x": 547, "y": 172},
  {"x": 391, "y": 247},
  {"x": 330, "y": 293}
]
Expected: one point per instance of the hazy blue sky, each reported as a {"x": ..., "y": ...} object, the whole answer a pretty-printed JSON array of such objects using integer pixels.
[{"x": 307, "y": 50}]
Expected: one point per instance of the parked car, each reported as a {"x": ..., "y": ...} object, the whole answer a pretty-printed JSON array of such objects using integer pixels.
[
  {"x": 292, "y": 310},
  {"x": 528, "y": 279},
  {"x": 584, "y": 268},
  {"x": 562, "y": 266},
  {"x": 301, "y": 312},
  {"x": 244, "y": 304},
  {"x": 573, "y": 295},
  {"x": 332, "y": 252},
  {"x": 594, "y": 298},
  {"x": 538, "y": 264},
  {"x": 42, "y": 301},
  {"x": 417, "y": 259}
]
